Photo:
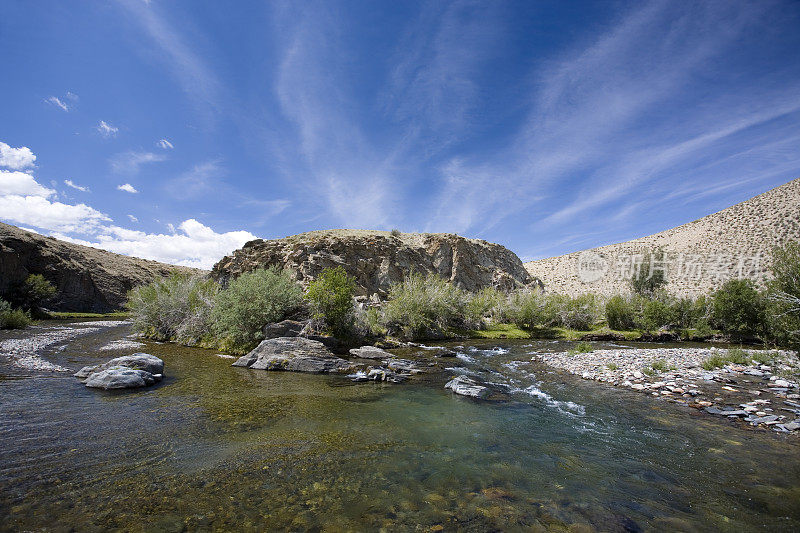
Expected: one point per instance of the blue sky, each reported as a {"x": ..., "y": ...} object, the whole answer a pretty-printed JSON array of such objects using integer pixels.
[{"x": 179, "y": 130}]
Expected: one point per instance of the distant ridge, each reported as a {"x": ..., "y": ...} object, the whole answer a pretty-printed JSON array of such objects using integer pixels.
[{"x": 701, "y": 255}]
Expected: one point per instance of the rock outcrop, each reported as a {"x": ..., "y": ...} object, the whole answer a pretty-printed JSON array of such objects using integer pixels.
[
  {"x": 377, "y": 259},
  {"x": 87, "y": 279},
  {"x": 699, "y": 256}
]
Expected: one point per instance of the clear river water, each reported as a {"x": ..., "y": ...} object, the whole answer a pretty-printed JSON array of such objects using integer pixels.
[{"x": 214, "y": 447}]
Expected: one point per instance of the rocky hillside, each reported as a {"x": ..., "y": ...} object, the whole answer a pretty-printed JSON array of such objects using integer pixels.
[
  {"x": 87, "y": 279},
  {"x": 700, "y": 255},
  {"x": 378, "y": 258}
]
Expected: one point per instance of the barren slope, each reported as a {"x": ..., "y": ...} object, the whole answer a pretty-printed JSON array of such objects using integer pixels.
[{"x": 702, "y": 254}]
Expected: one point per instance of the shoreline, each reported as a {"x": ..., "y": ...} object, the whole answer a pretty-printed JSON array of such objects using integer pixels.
[{"x": 756, "y": 395}]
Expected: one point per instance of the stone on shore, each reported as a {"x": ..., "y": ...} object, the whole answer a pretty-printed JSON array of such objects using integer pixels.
[
  {"x": 466, "y": 386},
  {"x": 293, "y": 354}
]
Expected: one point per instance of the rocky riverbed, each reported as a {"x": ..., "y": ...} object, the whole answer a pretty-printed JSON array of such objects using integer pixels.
[{"x": 751, "y": 393}]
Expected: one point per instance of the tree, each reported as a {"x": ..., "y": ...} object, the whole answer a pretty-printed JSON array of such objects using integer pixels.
[
  {"x": 31, "y": 293},
  {"x": 651, "y": 274},
  {"x": 739, "y": 308},
  {"x": 331, "y": 299}
]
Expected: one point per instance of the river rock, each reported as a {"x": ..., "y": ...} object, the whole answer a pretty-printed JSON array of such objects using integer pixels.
[
  {"x": 370, "y": 352},
  {"x": 138, "y": 361},
  {"x": 293, "y": 354},
  {"x": 121, "y": 377},
  {"x": 466, "y": 386},
  {"x": 129, "y": 371}
]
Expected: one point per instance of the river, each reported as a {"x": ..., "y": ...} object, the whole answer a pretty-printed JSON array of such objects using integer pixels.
[{"x": 218, "y": 447}]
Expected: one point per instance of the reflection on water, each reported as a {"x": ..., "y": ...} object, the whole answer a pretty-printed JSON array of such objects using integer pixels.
[{"x": 214, "y": 446}]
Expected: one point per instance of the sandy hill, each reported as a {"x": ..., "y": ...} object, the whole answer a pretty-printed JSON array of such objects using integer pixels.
[
  {"x": 87, "y": 279},
  {"x": 700, "y": 255},
  {"x": 379, "y": 258}
]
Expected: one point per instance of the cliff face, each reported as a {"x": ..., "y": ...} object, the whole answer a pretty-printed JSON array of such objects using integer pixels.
[
  {"x": 87, "y": 279},
  {"x": 377, "y": 259},
  {"x": 700, "y": 255}
]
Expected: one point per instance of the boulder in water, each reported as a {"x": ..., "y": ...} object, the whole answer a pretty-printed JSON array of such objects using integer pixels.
[
  {"x": 130, "y": 371},
  {"x": 466, "y": 386},
  {"x": 293, "y": 354},
  {"x": 370, "y": 352}
]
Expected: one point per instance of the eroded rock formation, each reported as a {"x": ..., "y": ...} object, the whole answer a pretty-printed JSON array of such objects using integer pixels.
[{"x": 378, "y": 258}]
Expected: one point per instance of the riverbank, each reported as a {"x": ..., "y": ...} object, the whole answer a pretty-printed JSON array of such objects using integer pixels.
[{"x": 760, "y": 389}]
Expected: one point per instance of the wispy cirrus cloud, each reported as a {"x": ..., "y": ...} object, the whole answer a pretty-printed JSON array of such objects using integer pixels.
[
  {"x": 606, "y": 118},
  {"x": 131, "y": 161},
  {"x": 195, "y": 77}
]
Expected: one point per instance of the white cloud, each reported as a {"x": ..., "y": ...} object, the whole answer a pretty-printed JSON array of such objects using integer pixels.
[
  {"x": 127, "y": 187},
  {"x": 133, "y": 218},
  {"x": 107, "y": 130},
  {"x": 129, "y": 162},
  {"x": 16, "y": 158},
  {"x": 165, "y": 144},
  {"x": 192, "y": 244},
  {"x": 54, "y": 100},
  {"x": 70, "y": 183},
  {"x": 40, "y": 212},
  {"x": 22, "y": 184}
]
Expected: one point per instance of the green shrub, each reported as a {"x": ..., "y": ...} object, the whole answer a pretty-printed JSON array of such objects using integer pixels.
[
  {"x": 250, "y": 302},
  {"x": 486, "y": 303},
  {"x": 13, "y": 318},
  {"x": 584, "y": 347},
  {"x": 656, "y": 314},
  {"x": 176, "y": 308},
  {"x": 330, "y": 297},
  {"x": 738, "y": 356},
  {"x": 579, "y": 312},
  {"x": 612, "y": 366},
  {"x": 660, "y": 365},
  {"x": 784, "y": 296},
  {"x": 422, "y": 307},
  {"x": 733, "y": 355},
  {"x": 368, "y": 322},
  {"x": 621, "y": 313},
  {"x": 526, "y": 309},
  {"x": 738, "y": 308},
  {"x": 689, "y": 313}
]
